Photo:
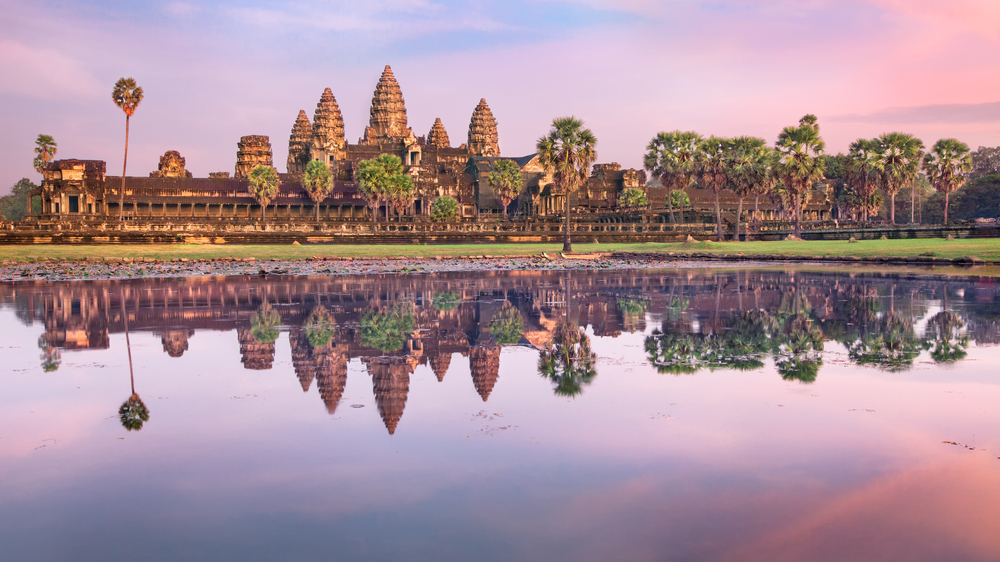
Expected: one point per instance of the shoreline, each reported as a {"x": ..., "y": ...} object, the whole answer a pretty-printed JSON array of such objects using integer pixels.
[{"x": 94, "y": 268}]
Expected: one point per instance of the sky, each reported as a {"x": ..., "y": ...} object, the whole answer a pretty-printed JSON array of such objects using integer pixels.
[{"x": 215, "y": 71}]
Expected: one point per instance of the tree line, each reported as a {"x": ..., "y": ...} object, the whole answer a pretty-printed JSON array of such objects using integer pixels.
[{"x": 787, "y": 172}]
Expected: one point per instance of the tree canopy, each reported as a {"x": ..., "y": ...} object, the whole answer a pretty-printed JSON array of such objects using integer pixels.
[
  {"x": 317, "y": 181},
  {"x": 506, "y": 181},
  {"x": 263, "y": 185}
]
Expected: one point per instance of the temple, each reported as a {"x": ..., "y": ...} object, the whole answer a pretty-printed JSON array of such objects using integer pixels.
[{"x": 81, "y": 190}]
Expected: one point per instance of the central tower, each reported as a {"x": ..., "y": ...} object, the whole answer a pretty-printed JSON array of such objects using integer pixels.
[{"x": 388, "y": 114}]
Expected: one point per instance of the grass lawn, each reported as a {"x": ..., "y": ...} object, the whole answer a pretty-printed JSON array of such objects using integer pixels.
[{"x": 983, "y": 248}]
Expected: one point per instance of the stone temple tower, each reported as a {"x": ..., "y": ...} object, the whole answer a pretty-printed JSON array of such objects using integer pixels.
[
  {"x": 300, "y": 145},
  {"x": 328, "y": 142},
  {"x": 438, "y": 136},
  {"x": 252, "y": 151},
  {"x": 388, "y": 113},
  {"x": 483, "y": 138}
]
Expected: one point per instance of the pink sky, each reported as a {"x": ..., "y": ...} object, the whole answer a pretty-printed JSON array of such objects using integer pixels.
[{"x": 213, "y": 72}]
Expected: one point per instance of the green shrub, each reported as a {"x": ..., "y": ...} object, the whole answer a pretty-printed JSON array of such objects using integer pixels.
[{"x": 444, "y": 209}]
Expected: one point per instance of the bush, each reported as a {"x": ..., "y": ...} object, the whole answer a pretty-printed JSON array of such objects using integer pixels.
[
  {"x": 632, "y": 198},
  {"x": 444, "y": 209}
]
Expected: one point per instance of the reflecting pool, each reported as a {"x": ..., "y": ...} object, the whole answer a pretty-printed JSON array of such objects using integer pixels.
[{"x": 692, "y": 414}]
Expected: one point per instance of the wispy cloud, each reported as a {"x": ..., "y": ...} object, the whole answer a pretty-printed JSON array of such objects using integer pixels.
[
  {"x": 404, "y": 18},
  {"x": 44, "y": 73},
  {"x": 939, "y": 113}
]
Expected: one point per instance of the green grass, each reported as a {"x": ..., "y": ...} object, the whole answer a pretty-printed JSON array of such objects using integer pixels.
[{"x": 987, "y": 249}]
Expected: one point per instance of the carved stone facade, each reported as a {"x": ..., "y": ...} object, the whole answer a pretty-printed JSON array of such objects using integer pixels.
[
  {"x": 328, "y": 129},
  {"x": 438, "y": 136},
  {"x": 388, "y": 113},
  {"x": 252, "y": 151},
  {"x": 171, "y": 166},
  {"x": 483, "y": 138},
  {"x": 300, "y": 144}
]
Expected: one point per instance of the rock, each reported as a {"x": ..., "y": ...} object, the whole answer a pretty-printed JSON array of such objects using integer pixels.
[{"x": 296, "y": 243}]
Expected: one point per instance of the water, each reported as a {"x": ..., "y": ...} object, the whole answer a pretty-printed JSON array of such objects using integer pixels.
[{"x": 699, "y": 415}]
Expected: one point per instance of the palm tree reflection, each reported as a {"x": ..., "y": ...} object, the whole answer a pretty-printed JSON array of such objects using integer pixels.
[
  {"x": 568, "y": 361},
  {"x": 133, "y": 412},
  {"x": 944, "y": 333}
]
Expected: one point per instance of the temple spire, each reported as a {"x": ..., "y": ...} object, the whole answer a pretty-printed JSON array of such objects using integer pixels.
[
  {"x": 388, "y": 112},
  {"x": 483, "y": 138},
  {"x": 300, "y": 144},
  {"x": 328, "y": 128},
  {"x": 438, "y": 136}
]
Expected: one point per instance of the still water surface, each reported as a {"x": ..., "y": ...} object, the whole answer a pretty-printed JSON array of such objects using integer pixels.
[{"x": 675, "y": 415}]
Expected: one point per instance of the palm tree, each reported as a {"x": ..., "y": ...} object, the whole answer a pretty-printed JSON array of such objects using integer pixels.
[
  {"x": 713, "y": 163},
  {"x": 750, "y": 170},
  {"x": 264, "y": 182},
  {"x": 671, "y": 157},
  {"x": 127, "y": 96},
  {"x": 800, "y": 165},
  {"x": 45, "y": 150},
  {"x": 901, "y": 154},
  {"x": 863, "y": 172},
  {"x": 378, "y": 180},
  {"x": 567, "y": 153},
  {"x": 506, "y": 182},
  {"x": 946, "y": 165},
  {"x": 400, "y": 192},
  {"x": 317, "y": 181}
]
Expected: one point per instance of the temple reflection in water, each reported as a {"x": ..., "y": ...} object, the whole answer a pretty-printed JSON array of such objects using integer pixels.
[{"x": 692, "y": 320}]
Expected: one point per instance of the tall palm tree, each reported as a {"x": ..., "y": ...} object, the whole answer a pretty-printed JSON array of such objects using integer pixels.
[
  {"x": 671, "y": 157},
  {"x": 127, "y": 96},
  {"x": 750, "y": 170},
  {"x": 946, "y": 165},
  {"x": 800, "y": 165},
  {"x": 713, "y": 163},
  {"x": 901, "y": 154},
  {"x": 864, "y": 170},
  {"x": 567, "y": 153},
  {"x": 45, "y": 150}
]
